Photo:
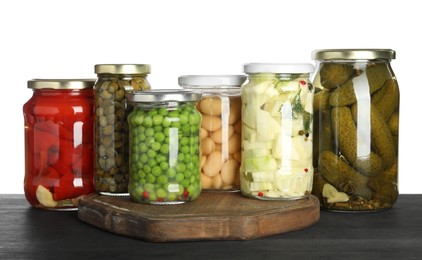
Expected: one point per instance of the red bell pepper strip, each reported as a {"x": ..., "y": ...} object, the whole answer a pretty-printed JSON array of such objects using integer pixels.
[{"x": 55, "y": 129}]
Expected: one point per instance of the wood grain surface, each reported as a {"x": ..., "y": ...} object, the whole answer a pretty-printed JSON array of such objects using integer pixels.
[{"x": 213, "y": 216}]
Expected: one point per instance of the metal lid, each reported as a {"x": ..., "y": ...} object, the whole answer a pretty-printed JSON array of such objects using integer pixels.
[
  {"x": 61, "y": 83},
  {"x": 354, "y": 54},
  {"x": 122, "y": 69},
  {"x": 295, "y": 68},
  {"x": 212, "y": 80},
  {"x": 163, "y": 95}
]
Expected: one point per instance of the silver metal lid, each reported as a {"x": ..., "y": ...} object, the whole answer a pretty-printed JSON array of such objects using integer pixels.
[
  {"x": 354, "y": 54},
  {"x": 279, "y": 68},
  {"x": 164, "y": 95},
  {"x": 122, "y": 69},
  {"x": 61, "y": 83},
  {"x": 212, "y": 80}
]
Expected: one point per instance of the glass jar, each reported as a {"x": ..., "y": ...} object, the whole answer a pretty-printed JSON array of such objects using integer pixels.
[
  {"x": 277, "y": 138},
  {"x": 164, "y": 146},
  {"x": 111, "y": 130},
  {"x": 220, "y": 129},
  {"x": 58, "y": 142},
  {"x": 356, "y": 121}
]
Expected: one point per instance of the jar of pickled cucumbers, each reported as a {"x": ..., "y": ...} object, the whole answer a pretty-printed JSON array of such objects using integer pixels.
[
  {"x": 277, "y": 116},
  {"x": 357, "y": 123},
  {"x": 111, "y": 131},
  {"x": 58, "y": 142},
  {"x": 220, "y": 129},
  {"x": 164, "y": 146}
]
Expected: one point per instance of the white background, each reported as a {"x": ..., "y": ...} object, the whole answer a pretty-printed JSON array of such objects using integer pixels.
[{"x": 64, "y": 39}]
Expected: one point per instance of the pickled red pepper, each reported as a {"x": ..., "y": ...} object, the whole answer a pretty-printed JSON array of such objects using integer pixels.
[{"x": 59, "y": 166}]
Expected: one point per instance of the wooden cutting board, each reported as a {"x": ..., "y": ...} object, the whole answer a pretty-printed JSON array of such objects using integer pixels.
[{"x": 213, "y": 216}]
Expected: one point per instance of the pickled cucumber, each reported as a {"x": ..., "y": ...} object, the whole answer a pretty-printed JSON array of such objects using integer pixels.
[
  {"x": 385, "y": 185},
  {"x": 342, "y": 176},
  {"x": 386, "y": 99},
  {"x": 345, "y": 130},
  {"x": 376, "y": 74},
  {"x": 334, "y": 74},
  {"x": 380, "y": 135},
  {"x": 393, "y": 124}
]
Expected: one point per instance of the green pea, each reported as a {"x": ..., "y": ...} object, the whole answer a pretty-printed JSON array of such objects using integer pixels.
[
  {"x": 190, "y": 166},
  {"x": 183, "y": 119},
  {"x": 158, "y": 128},
  {"x": 150, "y": 178},
  {"x": 142, "y": 137},
  {"x": 185, "y": 128},
  {"x": 180, "y": 167},
  {"x": 139, "y": 165},
  {"x": 192, "y": 179},
  {"x": 161, "y": 158},
  {"x": 157, "y": 119},
  {"x": 163, "y": 111},
  {"x": 147, "y": 168},
  {"x": 171, "y": 173},
  {"x": 152, "y": 112},
  {"x": 167, "y": 140},
  {"x": 187, "y": 174},
  {"x": 180, "y": 157},
  {"x": 171, "y": 196},
  {"x": 147, "y": 121},
  {"x": 149, "y": 132},
  {"x": 151, "y": 154},
  {"x": 152, "y": 163},
  {"x": 166, "y": 122},
  {"x": 149, "y": 141},
  {"x": 175, "y": 124},
  {"x": 185, "y": 149},
  {"x": 173, "y": 114},
  {"x": 185, "y": 183},
  {"x": 184, "y": 140},
  {"x": 164, "y": 149},
  {"x": 162, "y": 179},
  {"x": 161, "y": 193},
  {"x": 156, "y": 171},
  {"x": 139, "y": 119},
  {"x": 159, "y": 137},
  {"x": 152, "y": 196},
  {"x": 141, "y": 129},
  {"x": 149, "y": 187},
  {"x": 156, "y": 146},
  {"x": 195, "y": 158},
  {"x": 180, "y": 177},
  {"x": 143, "y": 158},
  {"x": 164, "y": 166},
  {"x": 188, "y": 158},
  {"x": 142, "y": 174}
]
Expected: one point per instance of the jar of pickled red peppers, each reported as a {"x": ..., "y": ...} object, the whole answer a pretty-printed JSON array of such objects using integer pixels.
[
  {"x": 277, "y": 139},
  {"x": 357, "y": 124},
  {"x": 58, "y": 142},
  {"x": 220, "y": 107}
]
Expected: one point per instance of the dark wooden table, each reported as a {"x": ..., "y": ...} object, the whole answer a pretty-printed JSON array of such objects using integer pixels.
[{"x": 27, "y": 233}]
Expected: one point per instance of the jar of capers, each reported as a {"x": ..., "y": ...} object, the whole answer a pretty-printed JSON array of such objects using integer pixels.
[
  {"x": 164, "y": 146},
  {"x": 111, "y": 131}
]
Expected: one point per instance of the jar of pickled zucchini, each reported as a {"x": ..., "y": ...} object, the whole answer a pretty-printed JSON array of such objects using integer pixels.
[
  {"x": 164, "y": 146},
  {"x": 58, "y": 142},
  {"x": 357, "y": 124},
  {"x": 220, "y": 129},
  {"x": 277, "y": 116},
  {"x": 111, "y": 131}
]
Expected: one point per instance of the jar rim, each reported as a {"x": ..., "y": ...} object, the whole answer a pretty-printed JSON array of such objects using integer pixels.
[
  {"x": 211, "y": 80},
  {"x": 354, "y": 54},
  {"x": 163, "y": 95},
  {"x": 279, "y": 68},
  {"x": 122, "y": 69},
  {"x": 61, "y": 83}
]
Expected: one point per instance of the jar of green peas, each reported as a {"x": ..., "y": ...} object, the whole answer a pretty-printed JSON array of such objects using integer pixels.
[{"x": 164, "y": 146}]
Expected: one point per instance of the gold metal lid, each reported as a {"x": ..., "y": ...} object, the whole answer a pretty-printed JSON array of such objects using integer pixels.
[
  {"x": 122, "y": 69},
  {"x": 354, "y": 54},
  {"x": 61, "y": 83}
]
